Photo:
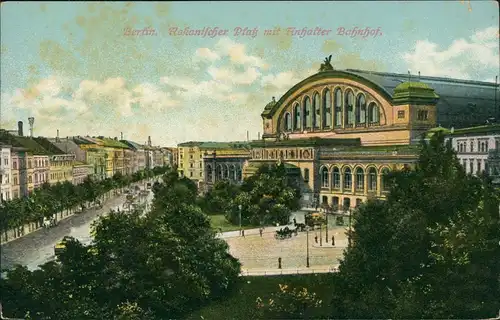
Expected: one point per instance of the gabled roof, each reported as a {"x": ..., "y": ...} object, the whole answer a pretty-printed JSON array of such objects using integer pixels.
[
  {"x": 47, "y": 145},
  {"x": 133, "y": 144},
  {"x": 23, "y": 142},
  {"x": 111, "y": 143},
  {"x": 479, "y": 130},
  {"x": 84, "y": 140}
]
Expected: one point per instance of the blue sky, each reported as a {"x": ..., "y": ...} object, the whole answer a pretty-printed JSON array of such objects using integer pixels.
[{"x": 71, "y": 67}]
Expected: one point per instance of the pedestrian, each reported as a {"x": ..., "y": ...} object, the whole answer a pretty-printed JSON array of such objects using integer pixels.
[
  {"x": 243, "y": 233},
  {"x": 294, "y": 221},
  {"x": 260, "y": 231},
  {"x": 279, "y": 263},
  {"x": 316, "y": 239},
  {"x": 333, "y": 241}
]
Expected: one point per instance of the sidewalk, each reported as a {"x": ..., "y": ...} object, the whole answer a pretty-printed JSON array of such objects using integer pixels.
[{"x": 290, "y": 271}]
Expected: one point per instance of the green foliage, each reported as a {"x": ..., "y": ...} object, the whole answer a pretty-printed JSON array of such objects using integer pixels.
[
  {"x": 290, "y": 303},
  {"x": 429, "y": 251},
  {"x": 156, "y": 266},
  {"x": 241, "y": 303},
  {"x": 267, "y": 197},
  {"x": 51, "y": 199}
]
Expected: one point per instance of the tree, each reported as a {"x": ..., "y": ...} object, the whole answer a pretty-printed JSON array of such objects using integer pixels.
[{"x": 430, "y": 250}]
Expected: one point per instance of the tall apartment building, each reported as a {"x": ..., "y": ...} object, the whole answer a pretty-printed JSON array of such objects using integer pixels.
[{"x": 5, "y": 173}]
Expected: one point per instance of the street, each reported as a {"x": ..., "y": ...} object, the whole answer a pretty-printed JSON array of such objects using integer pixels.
[{"x": 37, "y": 248}]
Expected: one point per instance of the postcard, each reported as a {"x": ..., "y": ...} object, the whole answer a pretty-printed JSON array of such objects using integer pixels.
[{"x": 250, "y": 160}]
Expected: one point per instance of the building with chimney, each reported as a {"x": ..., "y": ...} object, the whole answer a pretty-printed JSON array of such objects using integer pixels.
[{"x": 29, "y": 162}]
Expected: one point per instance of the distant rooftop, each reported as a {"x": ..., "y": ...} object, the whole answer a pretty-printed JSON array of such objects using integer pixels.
[
  {"x": 47, "y": 145},
  {"x": 216, "y": 145},
  {"x": 23, "y": 142},
  {"x": 485, "y": 129}
]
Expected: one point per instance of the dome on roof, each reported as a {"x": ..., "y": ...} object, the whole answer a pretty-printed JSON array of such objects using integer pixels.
[{"x": 412, "y": 85}]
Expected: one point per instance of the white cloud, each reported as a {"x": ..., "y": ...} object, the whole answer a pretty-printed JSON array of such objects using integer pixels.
[
  {"x": 228, "y": 75},
  {"x": 151, "y": 97},
  {"x": 112, "y": 92},
  {"x": 237, "y": 53},
  {"x": 474, "y": 58},
  {"x": 207, "y": 54}
]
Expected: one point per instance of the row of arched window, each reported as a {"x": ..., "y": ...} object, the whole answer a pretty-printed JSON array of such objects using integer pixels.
[
  {"x": 358, "y": 178},
  {"x": 230, "y": 172},
  {"x": 482, "y": 146},
  {"x": 348, "y": 112}
]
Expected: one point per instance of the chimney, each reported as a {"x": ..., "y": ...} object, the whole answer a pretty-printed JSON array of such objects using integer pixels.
[
  {"x": 31, "y": 121},
  {"x": 20, "y": 128},
  {"x": 248, "y": 138},
  {"x": 57, "y": 138},
  {"x": 149, "y": 141},
  {"x": 258, "y": 135},
  {"x": 121, "y": 135}
]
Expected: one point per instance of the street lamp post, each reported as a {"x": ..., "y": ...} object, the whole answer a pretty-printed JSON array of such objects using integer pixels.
[
  {"x": 307, "y": 246},
  {"x": 240, "y": 207},
  {"x": 321, "y": 234},
  {"x": 327, "y": 209}
]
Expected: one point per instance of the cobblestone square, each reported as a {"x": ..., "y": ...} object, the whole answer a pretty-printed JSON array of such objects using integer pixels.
[{"x": 257, "y": 252}]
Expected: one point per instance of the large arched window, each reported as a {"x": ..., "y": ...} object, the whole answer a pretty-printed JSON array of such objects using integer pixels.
[
  {"x": 296, "y": 120},
  {"x": 232, "y": 172},
  {"x": 360, "y": 179},
  {"x": 327, "y": 109},
  {"x": 307, "y": 113},
  {"x": 324, "y": 177},
  {"x": 336, "y": 178},
  {"x": 317, "y": 111},
  {"x": 238, "y": 174},
  {"x": 338, "y": 107},
  {"x": 347, "y": 178},
  {"x": 306, "y": 174},
  {"x": 361, "y": 109},
  {"x": 349, "y": 108},
  {"x": 288, "y": 121},
  {"x": 373, "y": 113},
  {"x": 209, "y": 173},
  {"x": 226, "y": 172},
  {"x": 218, "y": 172},
  {"x": 372, "y": 179},
  {"x": 384, "y": 180}
]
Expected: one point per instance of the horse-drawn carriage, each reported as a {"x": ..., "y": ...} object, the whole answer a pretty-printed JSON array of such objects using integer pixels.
[{"x": 284, "y": 233}]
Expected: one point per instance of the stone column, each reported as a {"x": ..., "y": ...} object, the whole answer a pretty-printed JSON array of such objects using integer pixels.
[
  {"x": 353, "y": 182},
  {"x": 365, "y": 185},
  {"x": 330, "y": 180},
  {"x": 341, "y": 181},
  {"x": 379, "y": 184},
  {"x": 213, "y": 172}
]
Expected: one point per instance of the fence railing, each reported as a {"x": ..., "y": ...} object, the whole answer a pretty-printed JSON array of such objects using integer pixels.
[{"x": 272, "y": 272}]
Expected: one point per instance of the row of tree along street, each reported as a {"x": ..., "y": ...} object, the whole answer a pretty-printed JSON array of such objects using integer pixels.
[
  {"x": 48, "y": 200},
  {"x": 430, "y": 251},
  {"x": 160, "y": 265}
]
